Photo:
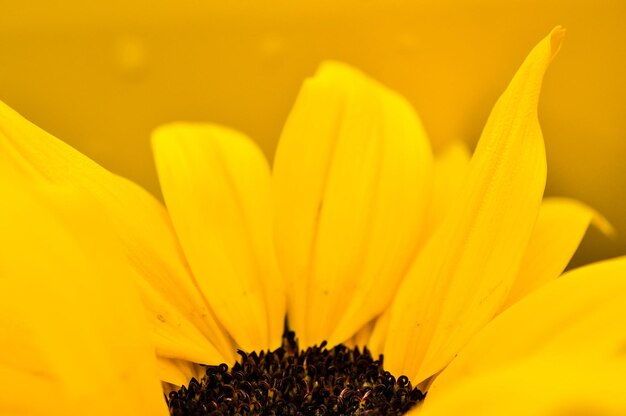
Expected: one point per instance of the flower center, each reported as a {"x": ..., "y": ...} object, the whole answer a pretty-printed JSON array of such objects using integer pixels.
[{"x": 287, "y": 381}]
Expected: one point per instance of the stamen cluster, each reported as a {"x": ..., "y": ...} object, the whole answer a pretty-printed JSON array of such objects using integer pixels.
[{"x": 290, "y": 382}]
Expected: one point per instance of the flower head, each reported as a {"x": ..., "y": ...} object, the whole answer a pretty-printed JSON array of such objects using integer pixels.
[{"x": 357, "y": 236}]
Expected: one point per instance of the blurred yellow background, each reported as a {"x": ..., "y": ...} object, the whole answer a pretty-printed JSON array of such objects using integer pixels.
[{"x": 102, "y": 75}]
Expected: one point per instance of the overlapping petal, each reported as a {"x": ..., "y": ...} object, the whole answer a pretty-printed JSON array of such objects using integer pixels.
[
  {"x": 141, "y": 224},
  {"x": 67, "y": 348},
  {"x": 464, "y": 273},
  {"x": 576, "y": 312},
  {"x": 542, "y": 386},
  {"x": 566, "y": 334},
  {"x": 175, "y": 373},
  {"x": 350, "y": 185},
  {"x": 216, "y": 184},
  {"x": 560, "y": 227}
]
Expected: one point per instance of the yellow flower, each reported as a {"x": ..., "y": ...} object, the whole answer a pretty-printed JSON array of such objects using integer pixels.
[
  {"x": 358, "y": 235},
  {"x": 107, "y": 74}
]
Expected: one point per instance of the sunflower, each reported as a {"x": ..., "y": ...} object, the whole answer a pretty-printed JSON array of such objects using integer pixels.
[{"x": 358, "y": 239}]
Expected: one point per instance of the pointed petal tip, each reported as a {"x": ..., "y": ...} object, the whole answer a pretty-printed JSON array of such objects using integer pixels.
[
  {"x": 556, "y": 40},
  {"x": 596, "y": 218},
  {"x": 605, "y": 227}
]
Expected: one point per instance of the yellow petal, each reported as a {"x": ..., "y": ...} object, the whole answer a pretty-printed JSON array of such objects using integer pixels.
[
  {"x": 216, "y": 184},
  {"x": 178, "y": 372},
  {"x": 561, "y": 225},
  {"x": 378, "y": 337},
  {"x": 141, "y": 223},
  {"x": 545, "y": 386},
  {"x": 581, "y": 311},
  {"x": 466, "y": 270},
  {"x": 74, "y": 340},
  {"x": 16, "y": 400},
  {"x": 450, "y": 172},
  {"x": 362, "y": 337},
  {"x": 173, "y": 335},
  {"x": 350, "y": 182}
]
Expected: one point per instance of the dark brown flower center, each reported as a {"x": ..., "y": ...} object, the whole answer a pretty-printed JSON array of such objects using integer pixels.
[{"x": 287, "y": 381}]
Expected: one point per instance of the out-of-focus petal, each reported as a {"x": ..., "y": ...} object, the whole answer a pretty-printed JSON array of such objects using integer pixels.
[
  {"x": 350, "y": 183},
  {"x": 140, "y": 222},
  {"x": 578, "y": 312},
  {"x": 464, "y": 273},
  {"x": 216, "y": 184},
  {"x": 74, "y": 335},
  {"x": 561, "y": 225},
  {"x": 553, "y": 385}
]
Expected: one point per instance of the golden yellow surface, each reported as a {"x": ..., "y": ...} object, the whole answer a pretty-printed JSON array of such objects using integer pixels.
[{"x": 102, "y": 76}]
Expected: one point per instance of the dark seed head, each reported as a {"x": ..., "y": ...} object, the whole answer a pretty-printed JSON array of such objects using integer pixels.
[{"x": 290, "y": 382}]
